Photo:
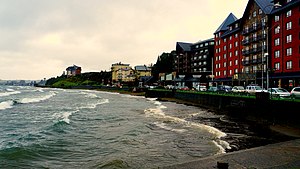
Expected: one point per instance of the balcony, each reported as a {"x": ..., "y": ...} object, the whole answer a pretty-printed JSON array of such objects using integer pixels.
[
  {"x": 245, "y": 63},
  {"x": 245, "y": 42},
  {"x": 245, "y": 52}
]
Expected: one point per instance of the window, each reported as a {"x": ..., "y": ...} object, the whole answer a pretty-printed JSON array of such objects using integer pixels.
[
  {"x": 276, "y": 18},
  {"x": 224, "y": 64},
  {"x": 288, "y": 51},
  {"x": 235, "y": 70},
  {"x": 230, "y": 54},
  {"x": 236, "y": 62},
  {"x": 230, "y": 72},
  {"x": 289, "y": 64},
  {"x": 254, "y": 14},
  {"x": 224, "y": 48},
  {"x": 254, "y": 68},
  {"x": 277, "y": 54},
  {"x": 224, "y": 72},
  {"x": 236, "y": 53},
  {"x": 236, "y": 44},
  {"x": 277, "y": 42},
  {"x": 288, "y": 25},
  {"x": 289, "y": 13},
  {"x": 224, "y": 56},
  {"x": 277, "y": 66},
  {"x": 277, "y": 30},
  {"x": 236, "y": 35},
  {"x": 288, "y": 38},
  {"x": 230, "y": 63},
  {"x": 230, "y": 46}
]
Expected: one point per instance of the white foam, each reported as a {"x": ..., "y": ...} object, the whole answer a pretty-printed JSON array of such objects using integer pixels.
[
  {"x": 6, "y": 105},
  {"x": 151, "y": 99},
  {"x": 9, "y": 93},
  {"x": 64, "y": 116},
  {"x": 94, "y": 105},
  {"x": 38, "y": 99},
  {"x": 163, "y": 126},
  {"x": 158, "y": 113},
  {"x": 132, "y": 96},
  {"x": 221, "y": 149},
  {"x": 222, "y": 145}
]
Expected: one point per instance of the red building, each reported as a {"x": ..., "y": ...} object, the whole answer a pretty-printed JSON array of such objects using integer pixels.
[
  {"x": 264, "y": 43},
  {"x": 284, "y": 31},
  {"x": 228, "y": 58}
]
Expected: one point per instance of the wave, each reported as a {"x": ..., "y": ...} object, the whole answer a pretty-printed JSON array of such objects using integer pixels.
[
  {"x": 222, "y": 145},
  {"x": 94, "y": 105},
  {"x": 89, "y": 94},
  {"x": 159, "y": 113},
  {"x": 63, "y": 116},
  {"x": 37, "y": 99},
  {"x": 11, "y": 92},
  {"x": 132, "y": 96},
  {"x": 165, "y": 127},
  {"x": 6, "y": 105}
]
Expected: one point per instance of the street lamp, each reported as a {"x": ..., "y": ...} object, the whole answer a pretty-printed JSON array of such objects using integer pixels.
[{"x": 267, "y": 49}]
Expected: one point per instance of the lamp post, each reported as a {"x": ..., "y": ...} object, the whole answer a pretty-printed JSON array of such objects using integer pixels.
[{"x": 267, "y": 49}]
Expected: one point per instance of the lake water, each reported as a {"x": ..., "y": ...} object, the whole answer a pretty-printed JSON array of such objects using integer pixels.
[{"x": 57, "y": 128}]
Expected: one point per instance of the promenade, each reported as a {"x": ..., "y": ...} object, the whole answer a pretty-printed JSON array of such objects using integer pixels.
[{"x": 284, "y": 155}]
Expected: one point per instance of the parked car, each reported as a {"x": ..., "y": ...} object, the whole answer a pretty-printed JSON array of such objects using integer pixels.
[
  {"x": 224, "y": 88},
  {"x": 201, "y": 88},
  {"x": 212, "y": 89},
  {"x": 238, "y": 89},
  {"x": 295, "y": 92},
  {"x": 182, "y": 88},
  {"x": 170, "y": 87},
  {"x": 279, "y": 92},
  {"x": 252, "y": 89}
]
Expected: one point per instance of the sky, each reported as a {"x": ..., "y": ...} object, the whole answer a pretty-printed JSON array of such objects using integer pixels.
[{"x": 41, "y": 38}]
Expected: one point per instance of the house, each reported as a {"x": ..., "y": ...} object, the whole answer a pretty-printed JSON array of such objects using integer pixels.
[
  {"x": 73, "y": 70},
  {"x": 142, "y": 70},
  {"x": 122, "y": 73}
]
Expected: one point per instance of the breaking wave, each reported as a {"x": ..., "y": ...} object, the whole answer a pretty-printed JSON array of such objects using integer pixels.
[
  {"x": 37, "y": 99},
  {"x": 6, "y": 105}
]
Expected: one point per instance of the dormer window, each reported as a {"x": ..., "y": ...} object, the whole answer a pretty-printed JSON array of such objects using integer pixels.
[{"x": 254, "y": 14}]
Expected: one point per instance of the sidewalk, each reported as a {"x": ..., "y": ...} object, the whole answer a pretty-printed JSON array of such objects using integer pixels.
[{"x": 274, "y": 156}]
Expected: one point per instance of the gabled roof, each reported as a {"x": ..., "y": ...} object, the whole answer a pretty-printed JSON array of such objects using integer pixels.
[
  {"x": 72, "y": 68},
  {"x": 223, "y": 27},
  {"x": 265, "y": 5},
  {"x": 185, "y": 46},
  {"x": 230, "y": 32}
]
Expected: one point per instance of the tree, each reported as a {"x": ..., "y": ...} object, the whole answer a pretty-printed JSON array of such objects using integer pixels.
[{"x": 164, "y": 64}]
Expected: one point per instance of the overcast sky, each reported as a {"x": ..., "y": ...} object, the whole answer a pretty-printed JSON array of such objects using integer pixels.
[{"x": 41, "y": 38}]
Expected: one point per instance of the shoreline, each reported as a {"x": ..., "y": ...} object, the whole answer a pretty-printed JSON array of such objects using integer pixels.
[{"x": 288, "y": 130}]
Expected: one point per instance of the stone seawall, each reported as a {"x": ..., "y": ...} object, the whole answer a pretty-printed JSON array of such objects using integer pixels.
[{"x": 259, "y": 107}]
